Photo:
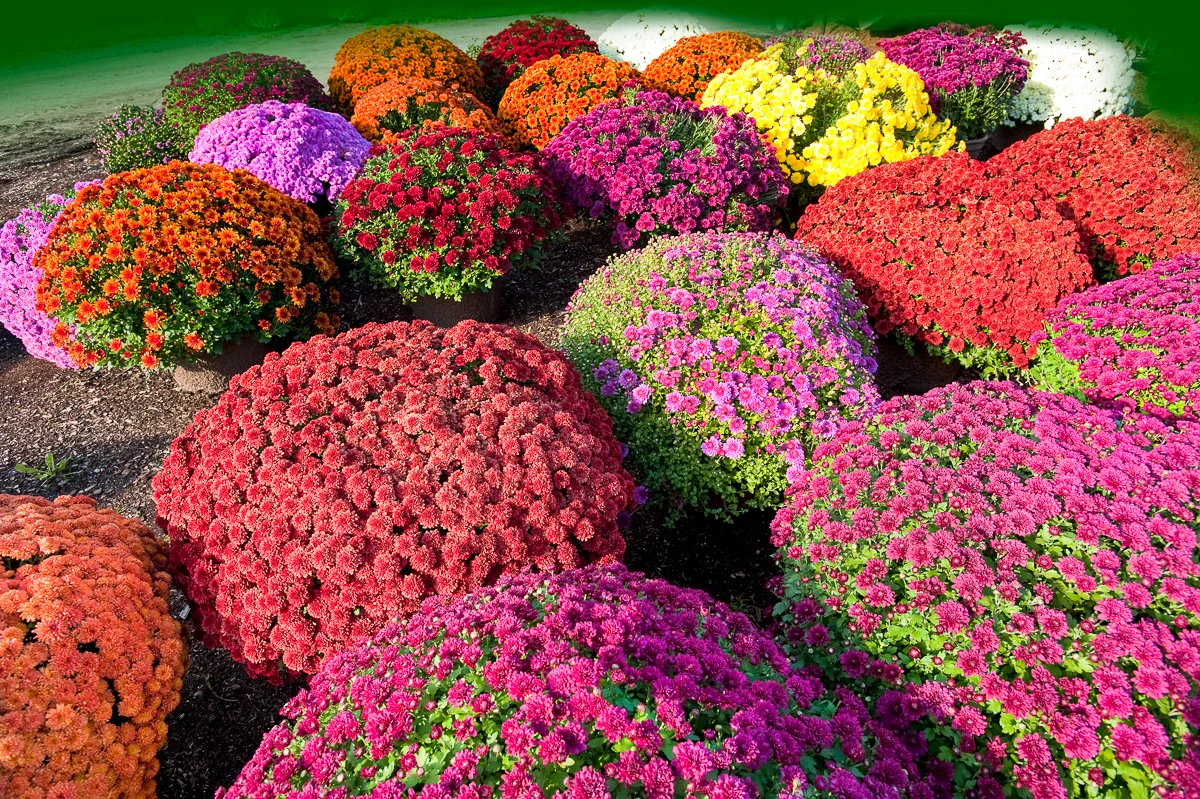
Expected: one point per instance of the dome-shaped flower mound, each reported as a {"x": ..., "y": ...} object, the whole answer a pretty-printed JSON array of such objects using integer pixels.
[
  {"x": 136, "y": 137},
  {"x": 596, "y": 682},
  {"x": 825, "y": 126},
  {"x": 91, "y": 661},
  {"x": 687, "y": 67},
  {"x": 942, "y": 254},
  {"x": 660, "y": 165},
  {"x": 721, "y": 358},
  {"x": 342, "y": 482},
  {"x": 406, "y": 103},
  {"x": 398, "y": 51},
  {"x": 20, "y": 239},
  {"x": 835, "y": 52},
  {"x": 973, "y": 74},
  {"x": 1135, "y": 341},
  {"x": 504, "y": 56},
  {"x": 1085, "y": 74},
  {"x": 199, "y": 93},
  {"x": 163, "y": 264},
  {"x": 639, "y": 37},
  {"x": 1131, "y": 185},
  {"x": 539, "y": 104},
  {"x": 445, "y": 213},
  {"x": 306, "y": 153},
  {"x": 1028, "y": 562}
]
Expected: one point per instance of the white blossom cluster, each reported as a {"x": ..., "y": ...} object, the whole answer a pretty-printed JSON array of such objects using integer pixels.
[
  {"x": 642, "y": 36},
  {"x": 1073, "y": 73}
]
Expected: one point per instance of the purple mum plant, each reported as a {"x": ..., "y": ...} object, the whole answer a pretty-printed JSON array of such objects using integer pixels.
[
  {"x": 306, "y": 153},
  {"x": 835, "y": 53},
  {"x": 590, "y": 684},
  {"x": 661, "y": 165},
  {"x": 972, "y": 76},
  {"x": 722, "y": 359},
  {"x": 1135, "y": 341},
  {"x": 135, "y": 137},
  {"x": 20, "y": 239}
]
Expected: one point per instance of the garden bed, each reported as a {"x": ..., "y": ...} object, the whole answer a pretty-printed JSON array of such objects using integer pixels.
[{"x": 115, "y": 428}]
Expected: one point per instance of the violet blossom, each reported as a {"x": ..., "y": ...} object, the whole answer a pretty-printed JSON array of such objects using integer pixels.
[{"x": 306, "y": 153}]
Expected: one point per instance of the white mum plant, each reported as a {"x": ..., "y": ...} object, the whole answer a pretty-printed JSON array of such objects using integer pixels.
[
  {"x": 642, "y": 36},
  {"x": 1073, "y": 73}
]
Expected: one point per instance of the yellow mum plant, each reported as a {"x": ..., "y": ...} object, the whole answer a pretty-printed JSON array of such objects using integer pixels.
[{"x": 825, "y": 127}]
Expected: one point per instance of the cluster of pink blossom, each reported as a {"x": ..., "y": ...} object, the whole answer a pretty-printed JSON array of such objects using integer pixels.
[
  {"x": 339, "y": 484},
  {"x": 1136, "y": 340},
  {"x": 592, "y": 684},
  {"x": 20, "y": 239},
  {"x": 661, "y": 165},
  {"x": 1027, "y": 563},
  {"x": 722, "y": 357}
]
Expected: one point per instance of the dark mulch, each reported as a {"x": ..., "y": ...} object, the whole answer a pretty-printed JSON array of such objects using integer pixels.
[{"x": 115, "y": 428}]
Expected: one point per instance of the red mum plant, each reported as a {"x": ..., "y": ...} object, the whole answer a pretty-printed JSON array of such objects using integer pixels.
[
  {"x": 1132, "y": 186},
  {"x": 342, "y": 482},
  {"x": 160, "y": 265},
  {"x": 445, "y": 212},
  {"x": 504, "y": 56},
  {"x": 942, "y": 254},
  {"x": 1026, "y": 564},
  {"x": 91, "y": 661}
]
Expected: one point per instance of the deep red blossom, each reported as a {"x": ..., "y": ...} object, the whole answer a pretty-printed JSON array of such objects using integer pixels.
[
  {"x": 1132, "y": 186},
  {"x": 942, "y": 254},
  {"x": 453, "y": 207},
  {"x": 1069, "y": 534},
  {"x": 504, "y": 56},
  {"x": 342, "y": 482}
]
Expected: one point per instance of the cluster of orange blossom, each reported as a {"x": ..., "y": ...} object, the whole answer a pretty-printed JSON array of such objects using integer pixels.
[
  {"x": 159, "y": 265},
  {"x": 91, "y": 661}
]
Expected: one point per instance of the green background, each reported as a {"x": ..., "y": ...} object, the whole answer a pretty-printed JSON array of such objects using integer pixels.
[{"x": 37, "y": 32}]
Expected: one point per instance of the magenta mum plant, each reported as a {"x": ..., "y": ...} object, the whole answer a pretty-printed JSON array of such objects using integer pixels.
[
  {"x": 661, "y": 165},
  {"x": 306, "y": 153},
  {"x": 971, "y": 75},
  {"x": 20, "y": 239},
  {"x": 1027, "y": 565},
  {"x": 835, "y": 53},
  {"x": 1134, "y": 341},
  {"x": 591, "y": 684},
  {"x": 722, "y": 358}
]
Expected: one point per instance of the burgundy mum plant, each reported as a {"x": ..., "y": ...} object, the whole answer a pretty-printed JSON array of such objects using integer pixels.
[
  {"x": 336, "y": 486},
  {"x": 1027, "y": 564},
  {"x": 592, "y": 684},
  {"x": 1135, "y": 341},
  {"x": 661, "y": 165}
]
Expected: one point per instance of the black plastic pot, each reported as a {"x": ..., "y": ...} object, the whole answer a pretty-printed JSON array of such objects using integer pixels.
[{"x": 482, "y": 306}]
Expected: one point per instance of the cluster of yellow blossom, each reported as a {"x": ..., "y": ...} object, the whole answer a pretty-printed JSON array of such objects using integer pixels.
[{"x": 824, "y": 129}]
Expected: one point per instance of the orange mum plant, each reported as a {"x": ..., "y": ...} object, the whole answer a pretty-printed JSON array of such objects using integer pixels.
[
  {"x": 687, "y": 67},
  {"x": 539, "y": 104},
  {"x": 403, "y": 103},
  {"x": 398, "y": 51},
  {"x": 164, "y": 264},
  {"x": 91, "y": 661}
]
